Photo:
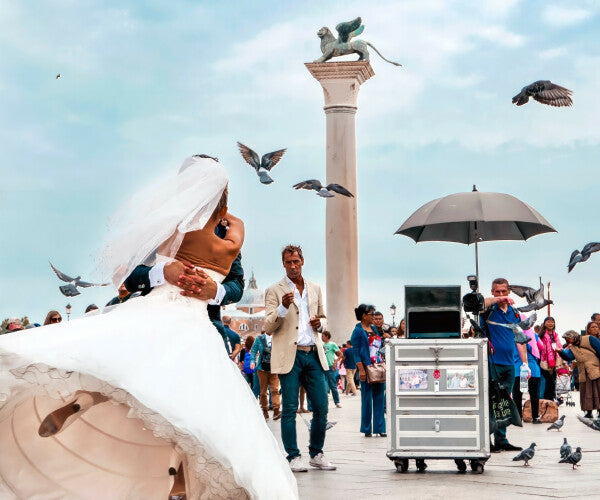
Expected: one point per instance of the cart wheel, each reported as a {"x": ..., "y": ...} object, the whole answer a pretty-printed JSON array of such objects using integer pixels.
[
  {"x": 401, "y": 465},
  {"x": 460, "y": 464},
  {"x": 476, "y": 467},
  {"x": 421, "y": 465}
]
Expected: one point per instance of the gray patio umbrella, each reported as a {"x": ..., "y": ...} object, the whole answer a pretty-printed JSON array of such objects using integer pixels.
[{"x": 473, "y": 217}]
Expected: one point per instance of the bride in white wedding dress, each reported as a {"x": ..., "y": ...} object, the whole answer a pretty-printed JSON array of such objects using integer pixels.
[{"x": 142, "y": 402}]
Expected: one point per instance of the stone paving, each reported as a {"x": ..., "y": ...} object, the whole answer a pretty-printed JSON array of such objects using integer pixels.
[{"x": 363, "y": 470}]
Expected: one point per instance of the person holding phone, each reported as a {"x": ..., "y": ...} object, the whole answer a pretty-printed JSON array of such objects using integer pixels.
[{"x": 294, "y": 314}]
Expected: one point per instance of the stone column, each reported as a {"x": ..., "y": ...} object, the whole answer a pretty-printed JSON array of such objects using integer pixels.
[{"x": 341, "y": 82}]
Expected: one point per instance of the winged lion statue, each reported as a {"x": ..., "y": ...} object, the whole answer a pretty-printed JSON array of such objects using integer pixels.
[{"x": 332, "y": 47}]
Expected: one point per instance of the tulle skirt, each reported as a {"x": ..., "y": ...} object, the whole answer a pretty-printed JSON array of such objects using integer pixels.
[{"x": 174, "y": 397}]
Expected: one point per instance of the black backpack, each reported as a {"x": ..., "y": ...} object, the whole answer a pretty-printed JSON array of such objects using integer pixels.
[{"x": 266, "y": 355}]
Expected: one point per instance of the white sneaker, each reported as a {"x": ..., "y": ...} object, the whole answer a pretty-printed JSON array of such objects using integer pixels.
[
  {"x": 337, "y": 405},
  {"x": 320, "y": 462},
  {"x": 296, "y": 465}
]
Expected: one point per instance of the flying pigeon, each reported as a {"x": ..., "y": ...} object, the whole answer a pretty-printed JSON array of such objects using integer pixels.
[
  {"x": 573, "y": 459},
  {"x": 565, "y": 449},
  {"x": 585, "y": 254},
  {"x": 558, "y": 424},
  {"x": 263, "y": 165},
  {"x": 328, "y": 425},
  {"x": 518, "y": 328},
  {"x": 58, "y": 76},
  {"x": 324, "y": 192},
  {"x": 546, "y": 92},
  {"x": 70, "y": 290},
  {"x": 591, "y": 423},
  {"x": 535, "y": 298},
  {"x": 526, "y": 455}
]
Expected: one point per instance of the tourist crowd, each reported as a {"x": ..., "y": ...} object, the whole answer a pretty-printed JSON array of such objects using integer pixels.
[{"x": 556, "y": 364}]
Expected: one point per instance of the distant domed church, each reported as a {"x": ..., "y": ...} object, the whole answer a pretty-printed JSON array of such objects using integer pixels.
[{"x": 249, "y": 314}]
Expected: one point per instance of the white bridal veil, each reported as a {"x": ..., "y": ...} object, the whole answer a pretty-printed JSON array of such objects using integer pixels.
[{"x": 164, "y": 210}]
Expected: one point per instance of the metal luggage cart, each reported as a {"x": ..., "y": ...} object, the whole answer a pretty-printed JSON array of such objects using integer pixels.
[{"x": 437, "y": 402}]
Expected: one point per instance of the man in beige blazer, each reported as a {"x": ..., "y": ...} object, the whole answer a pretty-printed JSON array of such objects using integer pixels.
[{"x": 293, "y": 315}]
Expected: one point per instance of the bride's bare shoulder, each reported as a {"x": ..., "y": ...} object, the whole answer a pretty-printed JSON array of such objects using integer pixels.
[{"x": 234, "y": 238}]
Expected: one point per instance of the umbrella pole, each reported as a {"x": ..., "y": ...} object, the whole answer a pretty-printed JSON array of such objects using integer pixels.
[
  {"x": 477, "y": 264},
  {"x": 476, "y": 256}
]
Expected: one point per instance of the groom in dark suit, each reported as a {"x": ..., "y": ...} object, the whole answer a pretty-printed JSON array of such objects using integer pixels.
[{"x": 194, "y": 283}]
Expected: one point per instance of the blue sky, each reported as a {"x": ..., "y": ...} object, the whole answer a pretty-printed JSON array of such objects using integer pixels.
[{"x": 145, "y": 84}]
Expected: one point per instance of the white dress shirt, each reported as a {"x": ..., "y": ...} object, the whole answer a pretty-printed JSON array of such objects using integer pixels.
[
  {"x": 306, "y": 336},
  {"x": 157, "y": 278}
]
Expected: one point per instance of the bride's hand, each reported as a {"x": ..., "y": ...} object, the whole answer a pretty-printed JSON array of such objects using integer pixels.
[{"x": 196, "y": 283}]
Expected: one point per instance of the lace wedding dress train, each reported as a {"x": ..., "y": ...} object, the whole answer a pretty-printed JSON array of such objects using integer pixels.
[{"x": 173, "y": 397}]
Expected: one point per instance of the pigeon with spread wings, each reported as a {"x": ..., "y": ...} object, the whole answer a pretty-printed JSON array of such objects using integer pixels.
[
  {"x": 546, "y": 92},
  {"x": 70, "y": 290},
  {"x": 261, "y": 165},
  {"x": 585, "y": 254},
  {"x": 535, "y": 298},
  {"x": 323, "y": 191},
  {"x": 519, "y": 328}
]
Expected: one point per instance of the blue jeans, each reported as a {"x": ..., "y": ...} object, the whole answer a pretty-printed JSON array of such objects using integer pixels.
[
  {"x": 332, "y": 385},
  {"x": 372, "y": 408},
  {"x": 307, "y": 371}
]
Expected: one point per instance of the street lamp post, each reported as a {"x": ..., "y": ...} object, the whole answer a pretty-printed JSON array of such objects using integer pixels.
[
  {"x": 393, "y": 312},
  {"x": 68, "y": 309}
]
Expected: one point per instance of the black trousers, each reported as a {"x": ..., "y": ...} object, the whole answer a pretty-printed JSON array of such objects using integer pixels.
[
  {"x": 534, "y": 395},
  {"x": 550, "y": 388}
]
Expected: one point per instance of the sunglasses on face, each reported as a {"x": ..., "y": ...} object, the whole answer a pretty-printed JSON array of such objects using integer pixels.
[{"x": 55, "y": 320}]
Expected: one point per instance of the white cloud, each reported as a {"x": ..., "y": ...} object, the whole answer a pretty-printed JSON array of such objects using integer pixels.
[
  {"x": 558, "y": 16},
  {"x": 553, "y": 53},
  {"x": 501, "y": 36},
  {"x": 463, "y": 81}
]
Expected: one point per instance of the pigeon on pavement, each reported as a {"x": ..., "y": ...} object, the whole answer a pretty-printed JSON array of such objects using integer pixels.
[
  {"x": 585, "y": 254},
  {"x": 518, "y": 328},
  {"x": 526, "y": 455},
  {"x": 565, "y": 449},
  {"x": 328, "y": 425},
  {"x": 546, "y": 92},
  {"x": 558, "y": 424},
  {"x": 263, "y": 165},
  {"x": 535, "y": 298},
  {"x": 324, "y": 192},
  {"x": 70, "y": 290},
  {"x": 573, "y": 459}
]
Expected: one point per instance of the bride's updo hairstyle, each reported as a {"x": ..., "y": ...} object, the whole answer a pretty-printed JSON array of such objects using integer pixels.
[
  {"x": 222, "y": 202},
  {"x": 363, "y": 309}
]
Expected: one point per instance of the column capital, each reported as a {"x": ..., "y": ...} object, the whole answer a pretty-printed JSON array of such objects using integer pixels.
[{"x": 341, "y": 81}]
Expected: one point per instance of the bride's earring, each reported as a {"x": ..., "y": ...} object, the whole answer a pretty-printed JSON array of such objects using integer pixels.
[
  {"x": 64, "y": 416},
  {"x": 178, "y": 489}
]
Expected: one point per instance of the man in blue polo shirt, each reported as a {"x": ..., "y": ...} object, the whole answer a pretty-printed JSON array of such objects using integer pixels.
[{"x": 506, "y": 351}]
